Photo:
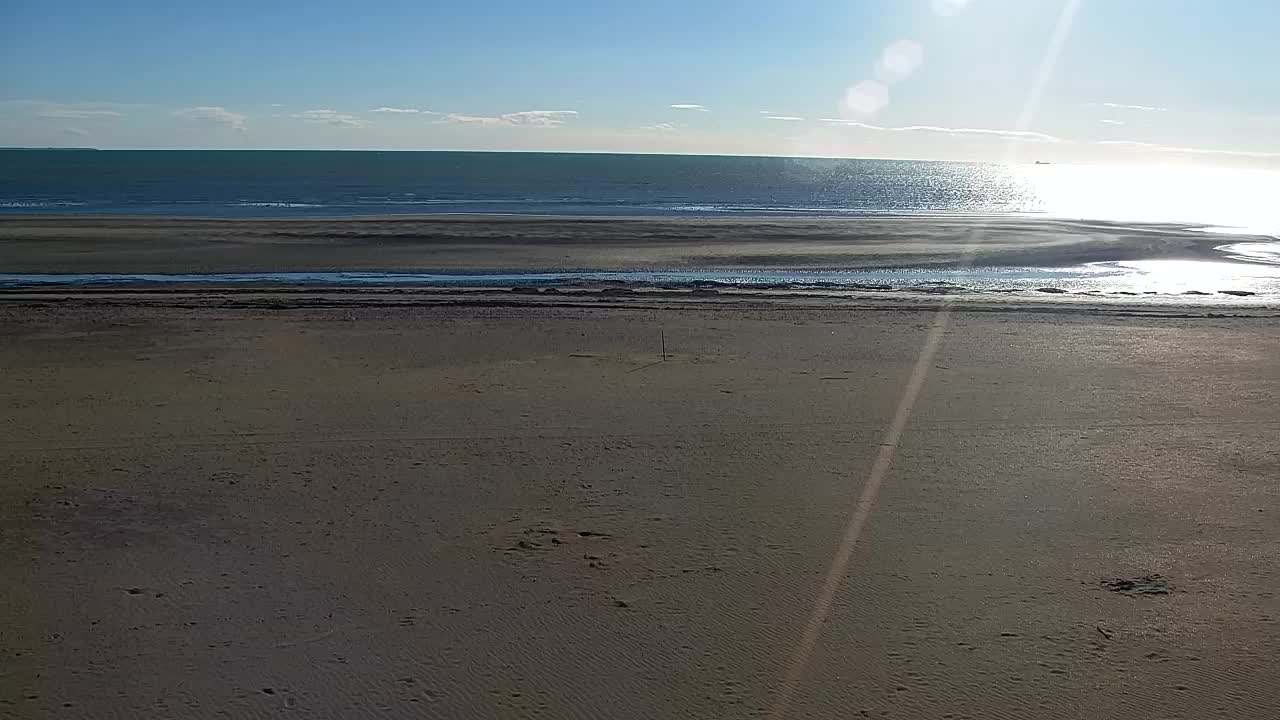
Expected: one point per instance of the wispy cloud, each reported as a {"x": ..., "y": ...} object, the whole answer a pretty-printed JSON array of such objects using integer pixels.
[
  {"x": 689, "y": 106},
  {"x": 402, "y": 111},
  {"x": 1025, "y": 135},
  {"x": 1030, "y": 136},
  {"x": 460, "y": 119},
  {"x": 541, "y": 118},
  {"x": 1111, "y": 122},
  {"x": 214, "y": 115},
  {"x": 1156, "y": 147},
  {"x": 330, "y": 117},
  {"x": 75, "y": 132},
  {"x": 662, "y": 127},
  {"x": 784, "y": 118},
  {"x": 1123, "y": 106},
  {"x": 524, "y": 118},
  {"x": 53, "y": 112}
]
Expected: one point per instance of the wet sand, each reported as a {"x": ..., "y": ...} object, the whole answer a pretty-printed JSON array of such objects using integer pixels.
[
  {"x": 251, "y": 505},
  {"x": 34, "y": 244}
]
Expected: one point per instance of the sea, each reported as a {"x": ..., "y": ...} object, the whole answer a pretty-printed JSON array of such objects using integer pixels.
[
  {"x": 264, "y": 184},
  {"x": 335, "y": 184}
]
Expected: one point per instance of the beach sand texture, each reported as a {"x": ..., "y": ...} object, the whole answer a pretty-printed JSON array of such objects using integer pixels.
[{"x": 213, "y": 507}]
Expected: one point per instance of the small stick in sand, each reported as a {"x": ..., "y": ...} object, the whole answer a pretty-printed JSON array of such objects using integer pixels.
[{"x": 662, "y": 332}]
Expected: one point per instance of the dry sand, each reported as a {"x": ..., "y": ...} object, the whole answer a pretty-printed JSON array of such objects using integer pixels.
[
  {"x": 243, "y": 506},
  {"x": 164, "y": 245}
]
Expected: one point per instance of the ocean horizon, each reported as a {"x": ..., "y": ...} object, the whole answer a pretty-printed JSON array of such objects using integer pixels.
[{"x": 353, "y": 183}]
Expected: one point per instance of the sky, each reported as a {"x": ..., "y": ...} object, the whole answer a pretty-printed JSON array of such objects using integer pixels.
[{"x": 1092, "y": 81}]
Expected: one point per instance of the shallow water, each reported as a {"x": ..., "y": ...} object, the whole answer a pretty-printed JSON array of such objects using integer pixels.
[
  {"x": 1254, "y": 252},
  {"x": 1188, "y": 280}
]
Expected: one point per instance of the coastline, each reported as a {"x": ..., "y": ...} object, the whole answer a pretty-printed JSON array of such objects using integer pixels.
[
  {"x": 304, "y": 300},
  {"x": 114, "y": 244},
  {"x": 258, "y": 481}
]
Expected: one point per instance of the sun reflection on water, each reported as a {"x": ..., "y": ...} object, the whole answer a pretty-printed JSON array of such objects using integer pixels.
[
  {"x": 1171, "y": 277},
  {"x": 1238, "y": 199}
]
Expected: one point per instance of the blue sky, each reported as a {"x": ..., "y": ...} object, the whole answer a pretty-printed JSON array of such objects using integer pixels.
[{"x": 1168, "y": 81}]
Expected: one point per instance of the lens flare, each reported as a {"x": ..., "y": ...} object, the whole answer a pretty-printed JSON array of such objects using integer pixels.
[
  {"x": 899, "y": 60},
  {"x": 866, "y": 98}
]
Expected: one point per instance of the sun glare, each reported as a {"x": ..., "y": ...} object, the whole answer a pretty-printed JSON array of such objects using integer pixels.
[{"x": 1238, "y": 199}]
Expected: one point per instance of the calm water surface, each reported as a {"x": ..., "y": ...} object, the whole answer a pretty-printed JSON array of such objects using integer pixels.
[{"x": 315, "y": 184}]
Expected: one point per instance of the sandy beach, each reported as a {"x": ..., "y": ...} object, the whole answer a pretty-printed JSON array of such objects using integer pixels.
[
  {"x": 252, "y": 505},
  {"x": 855, "y": 360},
  {"x": 34, "y": 244}
]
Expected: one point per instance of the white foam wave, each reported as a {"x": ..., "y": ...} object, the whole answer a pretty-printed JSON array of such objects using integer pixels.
[
  {"x": 27, "y": 204},
  {"x": 279, "y": 204},
  {"x": 1256, "y": 252},
  {"x": 1181, "y": 281}
]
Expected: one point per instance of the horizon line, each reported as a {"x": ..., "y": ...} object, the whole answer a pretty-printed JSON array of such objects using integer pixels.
[{"x": 54, "y": 148}]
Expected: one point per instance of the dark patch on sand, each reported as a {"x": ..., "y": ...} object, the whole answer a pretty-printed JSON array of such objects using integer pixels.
[{"x": 1144, "y": 585}]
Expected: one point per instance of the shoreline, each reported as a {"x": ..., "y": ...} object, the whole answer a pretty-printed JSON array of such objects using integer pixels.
[
  {"x": 1012, "y": 257},
  {"x": 732, "y": 301},
  {"x": 16, "y": 285},
  {"x": 735, "y": 216},
  {"x": 110, "y": 244},
  {"x": 740, "y": 218}
]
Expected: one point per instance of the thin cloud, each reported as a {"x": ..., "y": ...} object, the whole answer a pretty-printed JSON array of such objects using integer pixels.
[
  {"x": 524, "y": 118},
  {"x": 541, "y": 118},
  {"x": 75, "y": 132},
  {"x": 784, "y": 118},
  {"x": 1111, "y": 122},
  {"x": 71, "y": 113},
  {"x": 1123, "y": 106},
  {"x": 1010, "y": 134},
  {"x": 662, "y": 127},
  {"x": 1030, "y": 136},
  {"x": 330, "y": 117},
  {"x": 459, "y": 119},
  {"x": 1156, "y": 147},
  {"x": 402, "y": 111},
  {"x": 78, "y": 111},
  {"x": 214, "y": 115},
  {"x": 690, "y": 106},
  {"x": 1025, "y": 135}
]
